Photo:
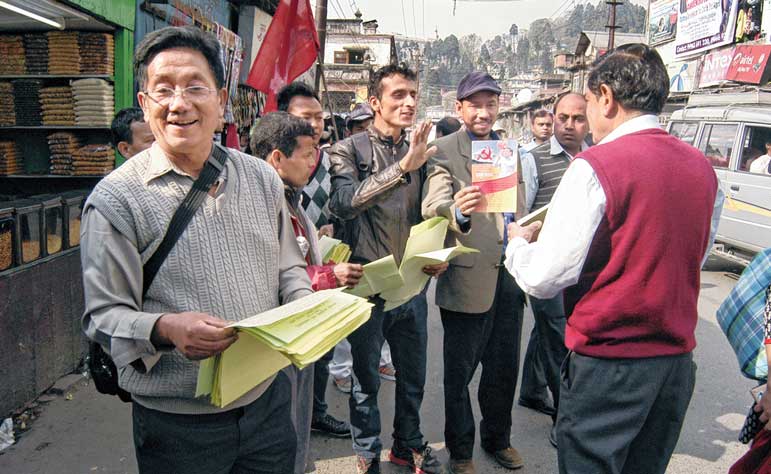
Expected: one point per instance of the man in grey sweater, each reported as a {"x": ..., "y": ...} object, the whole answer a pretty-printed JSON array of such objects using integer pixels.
[{"x": 237, "y": 257}]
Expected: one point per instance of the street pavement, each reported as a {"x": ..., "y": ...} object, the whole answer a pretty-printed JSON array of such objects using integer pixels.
[{"x": 91, "y": 433}]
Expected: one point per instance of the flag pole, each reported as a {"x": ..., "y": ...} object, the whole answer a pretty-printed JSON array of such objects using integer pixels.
[
  {"x": 321, "y": 30},
  {"x": 326, "y": 91}
]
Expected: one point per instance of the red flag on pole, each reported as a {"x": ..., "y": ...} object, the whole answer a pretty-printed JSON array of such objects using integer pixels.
[{"x": 290, "y": 48}]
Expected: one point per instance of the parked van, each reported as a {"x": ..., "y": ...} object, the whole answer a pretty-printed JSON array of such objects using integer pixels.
[{"x": 733, "y": 129}]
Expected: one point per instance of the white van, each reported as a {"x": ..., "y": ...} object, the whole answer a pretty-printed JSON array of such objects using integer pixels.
[{"x": 732, "y": 127}]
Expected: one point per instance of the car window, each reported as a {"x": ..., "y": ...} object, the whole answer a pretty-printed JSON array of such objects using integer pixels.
[
  {"x": 756, "y": 148},
  {"x": 717, "y": 143},
  {"x": 685, "y": 131}
]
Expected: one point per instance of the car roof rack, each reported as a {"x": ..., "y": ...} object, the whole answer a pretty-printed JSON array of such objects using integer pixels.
[{"x": 728, "y": 96}]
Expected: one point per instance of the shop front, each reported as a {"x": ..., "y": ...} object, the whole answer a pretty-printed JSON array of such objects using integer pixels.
[{"x": 66, "y": 69}]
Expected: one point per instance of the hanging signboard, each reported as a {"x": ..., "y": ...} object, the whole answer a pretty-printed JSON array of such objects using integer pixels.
[
  {"x": 683, "y": 76},
  {"x": 714, "y": 67},
  {"x": 749, "y": 63},
  {"x": 662, "y": 25},
  {"x": 704, "y": 24}
]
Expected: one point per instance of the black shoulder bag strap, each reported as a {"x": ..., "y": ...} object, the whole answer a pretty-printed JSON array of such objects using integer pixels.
[
  {"x": 363, "y": 149},
  {"x": 184, "y": 213}
]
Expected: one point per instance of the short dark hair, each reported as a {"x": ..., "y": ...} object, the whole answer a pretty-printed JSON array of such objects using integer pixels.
[
  {"x": 559, "y": 99},
  {"x": 447, "y": 126},
  {"x": 290, "y": 91},
  {"x": 120, "y": 129},
  {"x": 278, "y": 131},
  {"x": 376, "y": 79},
  {"x": 541, "y": 113},
  {"x": 636, "y": 75},
  {"x": 178, "y": 37}
]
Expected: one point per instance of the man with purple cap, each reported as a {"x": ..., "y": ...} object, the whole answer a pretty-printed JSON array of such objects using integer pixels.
[{"x": 481, "y": 305}]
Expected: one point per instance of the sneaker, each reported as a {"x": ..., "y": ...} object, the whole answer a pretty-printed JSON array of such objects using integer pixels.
[
  {"x": 387, "y": 372},
  {"x": 420, "y": 460},
  {"x": 331, "y": 426},
  {"x": 367, "y": 465},
  {"x": 343, "y": 384}
]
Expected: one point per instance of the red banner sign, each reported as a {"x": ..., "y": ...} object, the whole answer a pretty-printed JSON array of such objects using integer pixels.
[{"x": 748, "y": 63}]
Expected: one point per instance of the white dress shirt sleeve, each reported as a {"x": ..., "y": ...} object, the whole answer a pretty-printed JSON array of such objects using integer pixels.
[{"x": 554, "y": 262}]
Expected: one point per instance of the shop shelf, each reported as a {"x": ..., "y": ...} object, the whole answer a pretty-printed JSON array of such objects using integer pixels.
[{"x": 57, "y": 76}]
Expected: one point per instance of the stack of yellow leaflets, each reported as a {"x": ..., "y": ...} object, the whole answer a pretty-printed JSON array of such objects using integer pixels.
[
  {"x": 424, "y": 247},
  {"x": 299, "y": 332},
  {"x": 333, "y": 250}
]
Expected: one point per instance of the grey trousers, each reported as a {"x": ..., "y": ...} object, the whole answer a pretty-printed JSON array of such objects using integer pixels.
[
  {"x": 545, "y": 351},
  {"x": 302, "y": 382},
  {"x": 256, "y": 438},
  {"x": 622, "y": 416}
]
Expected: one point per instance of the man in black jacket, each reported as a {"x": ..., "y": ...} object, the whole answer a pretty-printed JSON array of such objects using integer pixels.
[{"x": 376, "y": 190}]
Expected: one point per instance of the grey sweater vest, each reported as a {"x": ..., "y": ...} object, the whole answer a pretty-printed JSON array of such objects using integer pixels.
[
  {"x": 550, "y": 168},
  {"x": 226, "y": 263}
]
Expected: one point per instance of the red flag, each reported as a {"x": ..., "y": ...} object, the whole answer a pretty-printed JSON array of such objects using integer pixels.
[{"x": 290, "y": 48}]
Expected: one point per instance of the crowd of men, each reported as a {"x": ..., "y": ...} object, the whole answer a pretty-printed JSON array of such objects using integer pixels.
[{"x": 612, "y": 276}]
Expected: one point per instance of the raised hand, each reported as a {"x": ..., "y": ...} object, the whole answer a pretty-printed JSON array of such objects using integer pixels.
[{"x": 419, "y": 152}]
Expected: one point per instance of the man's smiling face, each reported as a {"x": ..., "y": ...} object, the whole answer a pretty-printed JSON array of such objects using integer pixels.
[{"x": 184, "y": 125}]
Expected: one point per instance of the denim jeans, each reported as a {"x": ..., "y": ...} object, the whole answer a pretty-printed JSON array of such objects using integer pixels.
[
  {"x": 492, "y": 339},
  {"x": 405, "y": 330}
]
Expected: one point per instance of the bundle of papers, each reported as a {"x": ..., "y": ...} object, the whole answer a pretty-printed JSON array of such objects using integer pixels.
[
  {"x": 299, "y": 332},
  {"x": 424, "y": 247},
  {"x": 333, "y": 250},
  {"x": 379, "y": 276}
]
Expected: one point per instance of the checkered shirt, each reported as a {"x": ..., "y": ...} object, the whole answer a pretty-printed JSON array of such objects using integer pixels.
[{"x": 315, "y": 198}]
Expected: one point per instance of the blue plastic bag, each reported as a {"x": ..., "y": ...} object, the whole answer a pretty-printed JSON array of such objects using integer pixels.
[{"x": 741, "y": 317}]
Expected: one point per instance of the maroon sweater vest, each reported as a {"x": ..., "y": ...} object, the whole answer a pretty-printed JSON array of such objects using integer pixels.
[{"x": 637, "y": 293}]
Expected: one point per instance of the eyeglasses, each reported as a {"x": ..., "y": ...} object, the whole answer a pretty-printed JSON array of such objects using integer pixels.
[{"x": 195, "y": 94}]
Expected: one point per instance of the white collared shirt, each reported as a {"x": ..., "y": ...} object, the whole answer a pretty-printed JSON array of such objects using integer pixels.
[{"x": 554, "y": 262}]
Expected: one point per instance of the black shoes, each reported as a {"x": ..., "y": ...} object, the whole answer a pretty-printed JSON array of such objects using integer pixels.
[
  {"x": 537, "y": 405},
  {"x": 331, "y": 426}
]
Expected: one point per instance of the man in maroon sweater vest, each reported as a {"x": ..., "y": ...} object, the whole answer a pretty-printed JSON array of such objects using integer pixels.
[{"x": 626, "y": 234}]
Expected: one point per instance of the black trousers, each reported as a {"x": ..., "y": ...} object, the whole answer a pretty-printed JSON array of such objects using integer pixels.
[
  {"x": 546, "y": 350},
  {"x": 256, "y": 438},
  {"x": 622, "y": 416},
  {"x": 492, "y": 339}
]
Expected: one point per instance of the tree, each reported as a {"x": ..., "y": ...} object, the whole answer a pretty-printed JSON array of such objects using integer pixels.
[
  {"x": 523, "y": 52},
  {"x": 485, "y": 61}
]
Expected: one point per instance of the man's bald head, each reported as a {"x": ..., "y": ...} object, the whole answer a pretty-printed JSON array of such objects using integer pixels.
[{"x": 570, "y": 123}]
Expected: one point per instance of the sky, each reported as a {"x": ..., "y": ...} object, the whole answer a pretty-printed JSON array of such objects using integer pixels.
[{"x": 422, "y": 17}]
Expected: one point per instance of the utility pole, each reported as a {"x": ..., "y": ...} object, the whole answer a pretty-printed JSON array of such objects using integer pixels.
[
  {"x": 612, "y": 27},
  {"x": 321, "y": 28}
]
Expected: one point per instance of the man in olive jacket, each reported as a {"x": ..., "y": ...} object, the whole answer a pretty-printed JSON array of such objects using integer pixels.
[{"x": 481, "y": 305}]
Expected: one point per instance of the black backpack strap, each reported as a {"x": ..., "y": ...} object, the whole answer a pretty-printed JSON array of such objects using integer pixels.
[
  {"x": 184, "y": 213},
  {"x": 363, "y": 147}
]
